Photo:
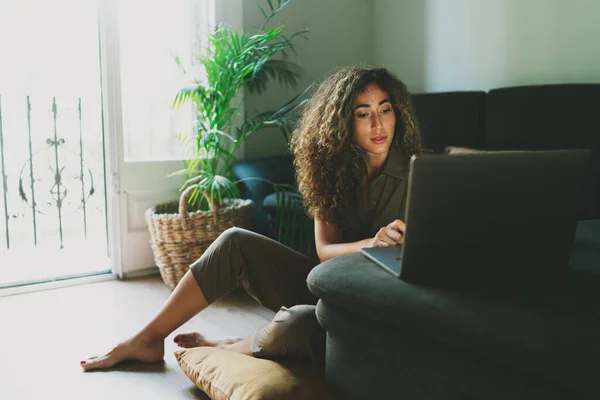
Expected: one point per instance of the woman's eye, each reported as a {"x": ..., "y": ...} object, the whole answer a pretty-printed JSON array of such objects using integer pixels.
[
  {"x": 386, "y": 111},
  {"x": 362, "y": 115}
]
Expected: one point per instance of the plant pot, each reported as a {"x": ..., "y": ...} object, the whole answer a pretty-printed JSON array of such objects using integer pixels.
[{"x": 179, "y": 237}]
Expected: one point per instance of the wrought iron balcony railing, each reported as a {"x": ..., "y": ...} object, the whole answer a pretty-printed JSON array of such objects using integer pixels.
[{"x": 52, "y": 169}]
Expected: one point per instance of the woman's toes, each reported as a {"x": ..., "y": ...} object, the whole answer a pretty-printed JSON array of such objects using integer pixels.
[
  {"x": 195, "y": 339},
  {"x": 99, "y": 363},
  {"x": 133, "y": 349},
  {"x": 188, "y": 340}
]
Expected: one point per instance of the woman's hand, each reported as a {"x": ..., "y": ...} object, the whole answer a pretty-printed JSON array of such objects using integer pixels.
[
  {"x": 328, "y": 239},
  {"x": 390, "y": 235}
]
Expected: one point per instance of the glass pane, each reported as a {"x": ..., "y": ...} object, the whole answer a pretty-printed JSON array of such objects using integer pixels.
[
  {"x": 52, "y": 138},
  {"x": 151, "y": 34}
]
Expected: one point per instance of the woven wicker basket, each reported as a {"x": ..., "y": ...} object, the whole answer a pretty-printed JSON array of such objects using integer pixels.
[{"x": 179, "y": 239}]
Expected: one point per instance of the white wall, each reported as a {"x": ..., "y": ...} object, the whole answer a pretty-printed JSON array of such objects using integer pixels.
[
  {"x": 440, "y": 45},
  {"x": 341, "y": 34},
  {"x": 433, "y": 45}
]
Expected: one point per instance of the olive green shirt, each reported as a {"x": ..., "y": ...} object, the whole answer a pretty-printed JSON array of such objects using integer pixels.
[{"x": 386, "y": 198}]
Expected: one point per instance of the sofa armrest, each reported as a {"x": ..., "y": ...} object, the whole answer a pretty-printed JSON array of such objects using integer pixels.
[
  {"x": 255, "y": 175},
  {"x": 548, "y": 329},
  {"x": 277, "y": 169},
  {"x": 298, "y": 227}
]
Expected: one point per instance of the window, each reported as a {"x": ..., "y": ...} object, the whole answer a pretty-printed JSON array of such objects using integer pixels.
[
  {"x": 150, "y": 35},
  {"x": 30, "y": 38}
]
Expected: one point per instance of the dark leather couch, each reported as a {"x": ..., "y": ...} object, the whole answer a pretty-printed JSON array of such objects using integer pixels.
[{"x": 387, "y": 338}]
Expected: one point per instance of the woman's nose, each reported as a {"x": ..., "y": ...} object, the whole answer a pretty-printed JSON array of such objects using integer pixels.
[{"x": 376, "y": 122}]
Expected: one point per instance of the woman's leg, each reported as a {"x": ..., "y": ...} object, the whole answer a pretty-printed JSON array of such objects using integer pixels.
[
  {"x": 148, "y": 345},
  {"x": 294, "y": 333},
  {"x": 272, "y": 273}
]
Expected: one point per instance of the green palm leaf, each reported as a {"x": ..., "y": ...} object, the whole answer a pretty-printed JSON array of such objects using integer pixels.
[
  {"x": 232, "y": 62},
  {"x": 286, "y": 73}
]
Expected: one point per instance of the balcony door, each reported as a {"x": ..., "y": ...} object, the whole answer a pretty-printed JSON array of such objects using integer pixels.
[
  {"x": 141, "y": 78},
  {"x": 52, "y": 158},
  {"x": 87, "y": 136}
]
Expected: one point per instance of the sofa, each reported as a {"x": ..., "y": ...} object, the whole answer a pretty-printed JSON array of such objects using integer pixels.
[{"x": 387, "y": 338}]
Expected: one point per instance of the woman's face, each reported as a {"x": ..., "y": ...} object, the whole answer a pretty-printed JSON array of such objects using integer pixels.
[{"x": 374, "y": 120}]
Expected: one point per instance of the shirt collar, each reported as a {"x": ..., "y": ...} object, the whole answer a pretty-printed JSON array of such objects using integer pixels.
[{"x": 395, "y": 164}]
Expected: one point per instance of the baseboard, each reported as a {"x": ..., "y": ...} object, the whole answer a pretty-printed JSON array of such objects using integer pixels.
[
  {"x": 139, "y": 273},
  {"x": 38, "y": 287}
]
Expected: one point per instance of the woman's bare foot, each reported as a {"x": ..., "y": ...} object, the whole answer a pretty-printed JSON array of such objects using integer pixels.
[
  {"x": 195, "y": 339},
  {"x": 135, "y": 348}
]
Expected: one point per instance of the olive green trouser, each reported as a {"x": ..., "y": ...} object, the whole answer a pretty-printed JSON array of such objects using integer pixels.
[{"x": 275, "y": 276}]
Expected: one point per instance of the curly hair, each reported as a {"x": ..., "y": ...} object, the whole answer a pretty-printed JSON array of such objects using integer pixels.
[{"x": 324, "y": 145}]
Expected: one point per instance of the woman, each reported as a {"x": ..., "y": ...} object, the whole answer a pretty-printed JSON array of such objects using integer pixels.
[{"x": 352, "y": 148}]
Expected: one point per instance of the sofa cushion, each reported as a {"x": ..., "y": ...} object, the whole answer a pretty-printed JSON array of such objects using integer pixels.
[
  {"x": 585, "y": 254},
  {"x": 548, "y": 117},
  {"x": 453, "y": 150},
  {"x": 549, "y": 329},
  {"x": 450, "y": 119},
  {"x": 543, "y": 117}
]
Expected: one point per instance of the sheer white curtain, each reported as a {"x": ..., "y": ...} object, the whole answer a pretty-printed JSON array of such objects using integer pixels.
[{"x": 151, "y": 34}]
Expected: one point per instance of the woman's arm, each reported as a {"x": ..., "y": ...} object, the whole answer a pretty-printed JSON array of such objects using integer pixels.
[{"x": 328, "y": 239}]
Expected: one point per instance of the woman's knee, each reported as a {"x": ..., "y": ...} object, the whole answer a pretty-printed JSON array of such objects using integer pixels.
[
  {"x": 217, "y": 271},
  {"x": 232, "y": 234},
  {"x": 239, "y": 236}
]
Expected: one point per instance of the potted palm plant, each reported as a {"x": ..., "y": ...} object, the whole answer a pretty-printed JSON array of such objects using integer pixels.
[{"x": 209, "y": 204}]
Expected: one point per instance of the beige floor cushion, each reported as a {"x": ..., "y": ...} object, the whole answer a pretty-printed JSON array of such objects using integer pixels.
[{"x": 227, "y": 375}]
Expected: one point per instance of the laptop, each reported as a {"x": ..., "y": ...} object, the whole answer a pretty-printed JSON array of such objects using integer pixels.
[{"x": 488, "y": 215}]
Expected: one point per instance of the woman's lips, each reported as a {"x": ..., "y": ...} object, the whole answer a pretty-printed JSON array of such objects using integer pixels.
[{"x": 378, "y": 139}]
